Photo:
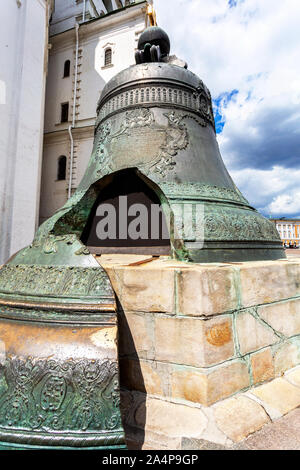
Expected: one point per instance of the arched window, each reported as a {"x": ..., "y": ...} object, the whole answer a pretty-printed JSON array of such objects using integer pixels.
[
  {"x": 61, "y": 167},
  {"x": 67, "y": 68},
  {"x": 108, "y": 57}
]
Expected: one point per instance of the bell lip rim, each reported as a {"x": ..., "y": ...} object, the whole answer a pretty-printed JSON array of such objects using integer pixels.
[
  {"x": 13, "y": 301},
  {"x": 58, "y": 440}
]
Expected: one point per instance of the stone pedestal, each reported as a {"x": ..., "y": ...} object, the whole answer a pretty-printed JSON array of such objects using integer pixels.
[{"x": 202, "y": 347}]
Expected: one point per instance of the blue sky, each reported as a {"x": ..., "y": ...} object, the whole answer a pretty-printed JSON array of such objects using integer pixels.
[
  {"x": 219, "y": 104},
  {"x": 247, "y": 53}
]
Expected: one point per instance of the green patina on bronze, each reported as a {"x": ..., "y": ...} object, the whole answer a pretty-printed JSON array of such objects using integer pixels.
[
  {"x": 74, "y": 403},
  {"x": 55, "y": 393}
]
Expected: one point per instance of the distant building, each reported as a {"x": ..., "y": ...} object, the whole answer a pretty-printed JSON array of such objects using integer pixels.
[
  {"x": 90, "y": 42},
  {"x": 289, "y": 231}
]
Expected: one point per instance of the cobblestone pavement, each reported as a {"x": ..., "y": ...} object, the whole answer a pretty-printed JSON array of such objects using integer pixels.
[
  {"x": 293, "y": 253},
  {"x": 283, "y": 434}
]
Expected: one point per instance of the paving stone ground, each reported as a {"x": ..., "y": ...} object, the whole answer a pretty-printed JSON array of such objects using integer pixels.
[
  {"x": 293, "y": 253},
  {"x": 283, "y": 434}
]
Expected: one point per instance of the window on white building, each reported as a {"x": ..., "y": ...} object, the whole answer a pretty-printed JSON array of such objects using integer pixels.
[
  {"x": 64, "y": 116},
  {"x": 67, "y": 66},
  {"x": 108, "y": 57},
  {"x": 61, "y": 168}
]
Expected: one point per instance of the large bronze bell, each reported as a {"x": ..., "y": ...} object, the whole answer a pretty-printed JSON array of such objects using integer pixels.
[
  {"x": 154, "y": 144},
  {"x": 155, "y": 124}
]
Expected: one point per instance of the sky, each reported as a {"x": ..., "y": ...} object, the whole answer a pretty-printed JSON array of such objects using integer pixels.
[{"x": 248, "y": 54}]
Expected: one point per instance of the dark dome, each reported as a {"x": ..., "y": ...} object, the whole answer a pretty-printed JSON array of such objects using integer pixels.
[{"x": 157, "y": 37}]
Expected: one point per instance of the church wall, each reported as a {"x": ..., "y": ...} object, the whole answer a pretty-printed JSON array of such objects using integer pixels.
[
  {"x": 59, "y": 89},
  {"x": 55, "y": 190}
]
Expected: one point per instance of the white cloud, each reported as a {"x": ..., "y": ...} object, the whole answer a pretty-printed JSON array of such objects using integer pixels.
[
  {"x": 226, "y": 45},
  {"x": 286, "y": 204},
  {"x": 281, "y": 192},
  {"x": 253, "y": 48}
]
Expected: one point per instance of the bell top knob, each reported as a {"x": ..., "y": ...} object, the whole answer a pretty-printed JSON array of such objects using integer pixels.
[{"x": 153, "y": 45}]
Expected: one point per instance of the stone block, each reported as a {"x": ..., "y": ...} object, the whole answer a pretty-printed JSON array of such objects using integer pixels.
[
  {"x": 265, "y": 282},
  {"x": 210, "y": 385},
  {"x": 262, "y": 366},
  {"x": 238, "y": 417},
  {"x": 206, "y": 290},
  {"x": 286, "y": 357},
  {"x": 144, "y": 376},
  {"x": 279, "y": 395},
  {"x": 170, "y": 419},
  {"x": 294, "y": 376},
  {"x": 191, "y": 385},
  {"x": 143, "y": 439},
  {"x": 136, "y": 335},
  {"x": 253, "y": 335},
  {"x": 144, "y": 288},
  {"x": 283, "y": 316},
  {"x": 228, "y": 379},
  {"x": 212, "y": 433},
  {"x": 192, "y": 341}
]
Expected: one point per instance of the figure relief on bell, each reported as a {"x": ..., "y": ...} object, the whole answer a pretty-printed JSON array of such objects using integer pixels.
[{"x": 140, "y": 140}]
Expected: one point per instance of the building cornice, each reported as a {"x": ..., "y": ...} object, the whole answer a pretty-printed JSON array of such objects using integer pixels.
[
  {"x": 61, "y": 135},
  {"x": 284, "y": 221}
]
